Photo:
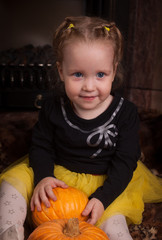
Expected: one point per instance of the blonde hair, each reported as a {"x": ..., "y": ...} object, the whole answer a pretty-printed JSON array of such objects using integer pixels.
[{"x": 89, "y": 29}]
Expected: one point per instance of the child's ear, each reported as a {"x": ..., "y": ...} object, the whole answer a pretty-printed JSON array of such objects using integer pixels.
[
  {"x": 59, "y": 69},
  {"x": 116, "y": 65},
  {"x": 115, "y": 69}
]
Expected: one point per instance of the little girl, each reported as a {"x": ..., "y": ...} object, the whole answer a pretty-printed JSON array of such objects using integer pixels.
[{"x": 86, "y": 137}]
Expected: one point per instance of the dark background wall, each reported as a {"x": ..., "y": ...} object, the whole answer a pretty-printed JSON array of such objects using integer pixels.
[
  {"x": 33, "y": 22},
  {"x": 144, "y": 56}
]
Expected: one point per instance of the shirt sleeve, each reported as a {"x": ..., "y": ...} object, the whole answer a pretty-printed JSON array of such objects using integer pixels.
[
  {"x": 124, "y": 161},
  {"x": 41, "y": 154}
]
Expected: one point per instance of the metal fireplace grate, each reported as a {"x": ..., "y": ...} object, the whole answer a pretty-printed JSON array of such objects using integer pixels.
[{"x": 26, "y": 76}]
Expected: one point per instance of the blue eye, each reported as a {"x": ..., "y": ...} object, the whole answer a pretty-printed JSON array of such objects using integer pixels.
[
  {"x": 100, "y": 75},
  {"x": 78, "y": 74}
]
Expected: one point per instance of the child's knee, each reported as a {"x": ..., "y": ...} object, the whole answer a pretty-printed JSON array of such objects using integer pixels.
[
  {"x": 14, "y": 232},
  {"x": 116, "y": 228},
  {"x": 13, "y": 207}
]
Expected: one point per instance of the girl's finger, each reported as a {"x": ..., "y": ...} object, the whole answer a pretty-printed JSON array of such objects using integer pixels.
[
  {"x": 59, "y": 183},
  {"x": 93, "y": 219},
  {"x": 32, "y": 205},
  {"x": 50, "y": 193},
  {"x": 43, "y": 197},
  {"x": 36, "y": 202},
  {"x": 87, "y": 209}
]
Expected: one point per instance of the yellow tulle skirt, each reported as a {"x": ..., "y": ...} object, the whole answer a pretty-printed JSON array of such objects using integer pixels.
[{"x": 143, "y": 188}]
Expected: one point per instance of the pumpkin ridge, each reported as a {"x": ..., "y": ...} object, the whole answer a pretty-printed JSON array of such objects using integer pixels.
[
  {"x": 40, "y": 217},
  {"x": 55, "y": 213},
  {"x": 58, "y": 203}
]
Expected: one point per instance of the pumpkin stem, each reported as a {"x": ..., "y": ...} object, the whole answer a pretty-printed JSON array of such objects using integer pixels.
[{"x": 72, "y": 228}]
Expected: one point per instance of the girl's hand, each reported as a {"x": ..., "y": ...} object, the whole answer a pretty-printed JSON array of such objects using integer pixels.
[
  {"x": 94, "y": 209},
  {"x": 43, "y": 191}
]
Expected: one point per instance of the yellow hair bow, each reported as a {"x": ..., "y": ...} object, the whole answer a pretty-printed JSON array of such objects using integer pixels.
[
  {"x": 71, "y": 26},
  {"x": 107, "y": 28}
]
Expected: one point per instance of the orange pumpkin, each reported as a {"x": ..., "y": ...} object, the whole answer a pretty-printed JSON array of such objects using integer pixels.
[
  {"x": 67, "y": 229},
  {"x": 70, "y": 203}
]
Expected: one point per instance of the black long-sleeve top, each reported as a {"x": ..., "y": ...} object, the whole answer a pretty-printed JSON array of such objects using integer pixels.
[{"x": 107, "y": 144}]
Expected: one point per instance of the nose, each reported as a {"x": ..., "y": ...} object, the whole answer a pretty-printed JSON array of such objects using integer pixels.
[{"x": 89, "y": 84}]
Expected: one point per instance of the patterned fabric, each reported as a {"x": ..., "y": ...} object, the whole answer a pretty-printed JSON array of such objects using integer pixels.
[{"x": 13, "y": 210}]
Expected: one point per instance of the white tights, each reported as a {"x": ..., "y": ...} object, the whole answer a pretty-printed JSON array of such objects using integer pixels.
[
  {"x": 13, "y": 211},
  {"x": 116, "y": 228}
]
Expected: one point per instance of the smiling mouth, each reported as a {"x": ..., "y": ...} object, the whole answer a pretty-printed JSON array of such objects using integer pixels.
[{"x": 88, "y": 97}]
